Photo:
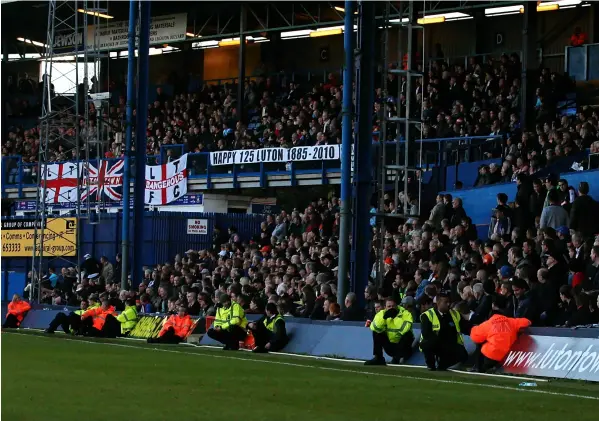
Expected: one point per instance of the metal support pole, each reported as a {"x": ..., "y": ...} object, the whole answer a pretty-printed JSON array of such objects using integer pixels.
[
  {"x": 408, "y": 142},
  {"x": 242, "y": 51},
  {"x": 362, "y": 180},
  {"x": 346, "y": 144},
  {"x": 529, "y": 60},
  {"x": 128, "y": 143},
  {"x": 140, "y": 141}
]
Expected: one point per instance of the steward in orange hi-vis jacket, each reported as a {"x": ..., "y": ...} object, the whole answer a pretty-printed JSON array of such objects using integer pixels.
[
  {"x": 17, "y": 309},
  {"x": 175, "y": 329},
  {"x": 497, "y": 335},
  {"x": 103, "y": 321}
]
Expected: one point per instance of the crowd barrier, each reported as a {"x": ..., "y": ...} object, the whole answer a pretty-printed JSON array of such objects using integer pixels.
[
  {"x": 20, "y": 175},
  {"x": 542, "y": 352}
]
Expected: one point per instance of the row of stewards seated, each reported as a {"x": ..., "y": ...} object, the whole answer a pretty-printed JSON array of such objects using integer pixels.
[
  {"x": 441, "y": 339},
  {"x": 97, "y": 319}
]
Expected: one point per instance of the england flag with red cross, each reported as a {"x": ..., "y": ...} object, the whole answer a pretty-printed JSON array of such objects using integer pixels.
[
  {"x": 166, "y": 183},
  {"x": 60, "y": 182}
]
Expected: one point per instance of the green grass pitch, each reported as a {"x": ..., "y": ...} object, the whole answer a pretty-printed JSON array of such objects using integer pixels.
[{"x": 55, "y": 378}]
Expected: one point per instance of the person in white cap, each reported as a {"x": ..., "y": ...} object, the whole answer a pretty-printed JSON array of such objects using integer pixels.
[{"x": 90, "y": 265}]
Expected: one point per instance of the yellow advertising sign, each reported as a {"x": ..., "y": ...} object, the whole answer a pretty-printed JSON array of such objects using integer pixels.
[{"x": 60, "y": 237}]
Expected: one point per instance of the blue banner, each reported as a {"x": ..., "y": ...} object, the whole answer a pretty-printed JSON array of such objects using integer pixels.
[
  {"x": 187, "y": 200},
  {"x": 265, "y": 209}
]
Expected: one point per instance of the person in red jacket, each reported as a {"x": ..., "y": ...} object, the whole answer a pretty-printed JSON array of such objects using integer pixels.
[
  {"x": 175, "y": 329},
  {"x": 497, "y": 335},
  {"x": 101, "y": 321},
  {"x": 17, "y": 310},
  {"x": 578, "y": 38}
]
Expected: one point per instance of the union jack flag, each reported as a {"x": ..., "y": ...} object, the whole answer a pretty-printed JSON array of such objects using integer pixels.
[{"x": 104, "y": 180}]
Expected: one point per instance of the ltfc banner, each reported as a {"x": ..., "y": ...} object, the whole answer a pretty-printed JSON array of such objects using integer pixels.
[
  {"x": 256, "y": 156},
  {"x": 67, "y": 182},
  {"x": 167, "y": 182}
]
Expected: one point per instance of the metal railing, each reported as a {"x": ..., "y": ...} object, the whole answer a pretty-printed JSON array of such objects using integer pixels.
[
  {"x": 17, "y": 174},
  {"x": 579, "y": 62}
]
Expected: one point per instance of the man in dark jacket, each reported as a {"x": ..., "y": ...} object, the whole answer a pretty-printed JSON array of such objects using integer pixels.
[
  {"x": 90, "y": 265},
  {"x": 583, "y": 215},
  {"x": 218, "y": 238},
  {"x": 352, "y": 313},
  {"x": 526, "y": 305},
  {"x": 458, "y": 212},
  {"x": 269, "y": 332}
]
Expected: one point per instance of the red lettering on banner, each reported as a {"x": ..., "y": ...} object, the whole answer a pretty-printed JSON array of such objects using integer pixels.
[{"x": 169, "y": 182}]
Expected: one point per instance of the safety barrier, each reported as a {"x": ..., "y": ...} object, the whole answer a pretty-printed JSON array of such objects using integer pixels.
[
  {"x": 18, "y": 175},
  {"x": 542, "y": 352},
  {"x": 580, "y": 62}
]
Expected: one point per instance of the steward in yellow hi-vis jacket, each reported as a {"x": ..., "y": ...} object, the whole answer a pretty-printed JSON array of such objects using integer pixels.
[
  {"x": 229, "y": 327},
  {"x": 70, "y": 323},
  {"x": 128, "y": 317},
  {"x": 391, "y": 332},
  {"x": 269, "y": 332},
  {"x": 441, "y": 332}
]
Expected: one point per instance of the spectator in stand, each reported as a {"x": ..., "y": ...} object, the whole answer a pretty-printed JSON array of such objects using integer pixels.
[
  {"x": 107, "y": 274},
  {"x": 578, "y": 38},
  {"x": 90, "y": 266},
  {"x": 351, "y": 312},
  {"x": 584, "y": 211},
  {"x": 554, "y": 215}
]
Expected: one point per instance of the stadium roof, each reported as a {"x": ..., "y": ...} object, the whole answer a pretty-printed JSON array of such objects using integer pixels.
[{"x": 213, "y": 20}]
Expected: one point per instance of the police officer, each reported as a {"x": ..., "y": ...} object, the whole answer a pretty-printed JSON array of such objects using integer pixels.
[
  {"x": 128, "y": 317},
  {"x": 269, "y": 332},
  {"x": 229, "y": 324},
  {"x": 391, "y": 332},
  {"x": 441, "y": 335}
]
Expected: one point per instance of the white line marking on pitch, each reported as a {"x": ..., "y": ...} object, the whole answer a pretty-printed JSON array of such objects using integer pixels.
[{"x": 339, "y": 370}]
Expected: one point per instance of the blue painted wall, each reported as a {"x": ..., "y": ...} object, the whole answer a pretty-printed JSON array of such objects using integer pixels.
[
  {"x": 351, "y": 340},
  {"x": 467, "y": 172},
  {"x": 479, "y": 201},
  {"x": 165, "y": 236}
]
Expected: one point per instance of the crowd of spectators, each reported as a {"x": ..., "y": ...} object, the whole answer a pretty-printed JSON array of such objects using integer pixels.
[
  {"x": 545, "y": 268},
  {"x": 480, "y": 99}
]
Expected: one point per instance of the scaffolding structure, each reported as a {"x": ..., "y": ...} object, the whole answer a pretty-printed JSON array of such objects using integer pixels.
[
  {"x": 66, "y": 122},
  {"x": 400, "y": 142}
]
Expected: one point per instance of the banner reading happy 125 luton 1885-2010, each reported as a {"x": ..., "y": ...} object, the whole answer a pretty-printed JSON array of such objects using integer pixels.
[{"x": 256, "y": 156}]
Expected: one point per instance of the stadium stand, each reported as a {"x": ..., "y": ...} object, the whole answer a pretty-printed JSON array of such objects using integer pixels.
[
  {"x": 549, "y": 275},
  {"x": 294, "y": 256}
]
